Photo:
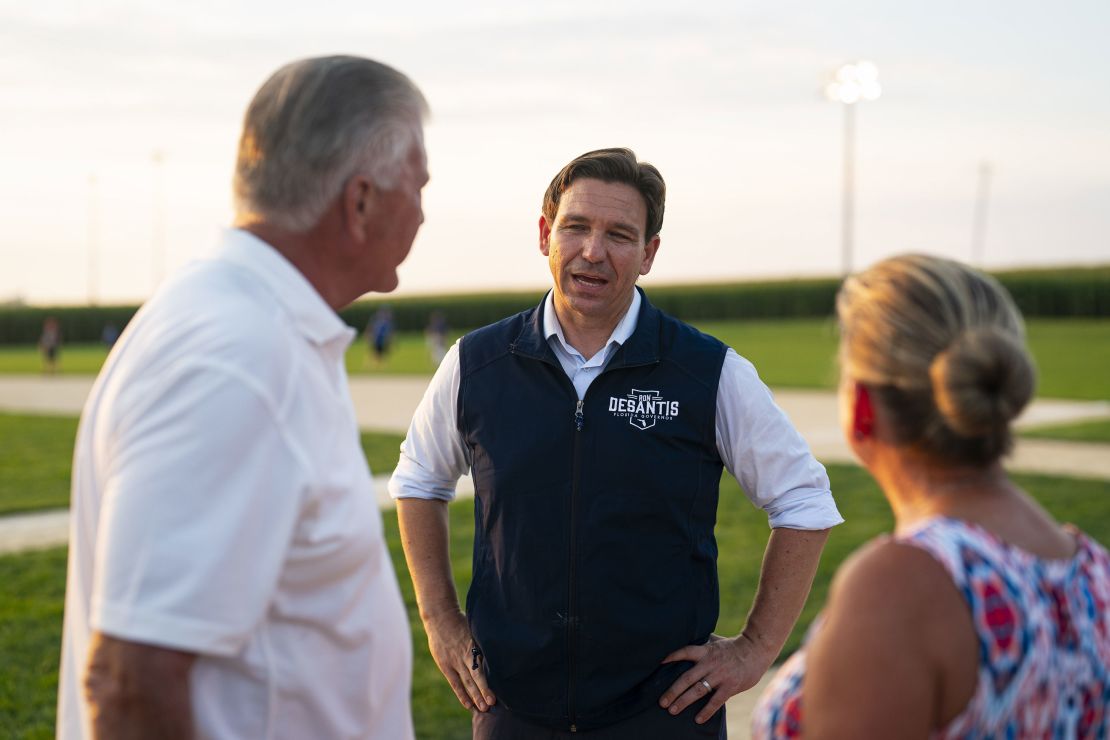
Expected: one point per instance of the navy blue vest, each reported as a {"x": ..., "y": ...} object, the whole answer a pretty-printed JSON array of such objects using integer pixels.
[{"x": 594, "y": 554}]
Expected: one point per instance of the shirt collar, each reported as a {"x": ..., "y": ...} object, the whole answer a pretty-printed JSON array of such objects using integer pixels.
[
  {"x": 309, "y": 313},
  {"x": 623, "y": 330}
]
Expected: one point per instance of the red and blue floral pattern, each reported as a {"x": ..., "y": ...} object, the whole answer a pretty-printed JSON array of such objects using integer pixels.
[{"x": 1044, "y": 640}]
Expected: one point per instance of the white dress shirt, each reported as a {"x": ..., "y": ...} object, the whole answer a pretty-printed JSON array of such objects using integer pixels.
[{"x": 755, "y": 439}]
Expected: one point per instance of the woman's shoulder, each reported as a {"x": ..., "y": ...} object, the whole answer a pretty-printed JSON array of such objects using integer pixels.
[
  {"x": 893, "y": 625},
  {"x": 893, "y": 596},
  {"x": 887, "y": 570}
]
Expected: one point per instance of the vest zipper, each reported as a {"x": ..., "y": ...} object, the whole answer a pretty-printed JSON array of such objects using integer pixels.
[
  {"x": 572, "y": 613},
  {"x": 579, "y": 425}
]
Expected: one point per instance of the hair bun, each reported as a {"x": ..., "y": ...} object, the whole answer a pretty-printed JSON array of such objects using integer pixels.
[{"x": 982, "y": 381}]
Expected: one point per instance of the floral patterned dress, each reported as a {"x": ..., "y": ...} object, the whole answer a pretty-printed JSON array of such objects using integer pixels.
[{"x": 1043, "y": 629}]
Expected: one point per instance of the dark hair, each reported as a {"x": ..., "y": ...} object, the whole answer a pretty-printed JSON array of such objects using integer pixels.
[
  {"x": 612, "y": 165},
  {"x": 943, "y": 347}
]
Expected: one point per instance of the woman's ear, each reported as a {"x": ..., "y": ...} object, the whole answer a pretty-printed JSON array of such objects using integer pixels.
[{"x": 863, "y": 413}]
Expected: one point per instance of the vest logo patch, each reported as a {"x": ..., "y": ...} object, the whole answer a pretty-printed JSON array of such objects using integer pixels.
[{"x": 643, "y": 408}]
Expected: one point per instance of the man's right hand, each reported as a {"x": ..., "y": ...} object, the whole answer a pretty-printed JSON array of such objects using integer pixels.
[
  {"x": 451, "y": 644},
  {"x": 424, "y": 535}
]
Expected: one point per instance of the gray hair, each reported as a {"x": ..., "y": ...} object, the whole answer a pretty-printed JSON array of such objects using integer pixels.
[
  {"x": 314, "y": 124},
  {"x": 943, "y": 345}
]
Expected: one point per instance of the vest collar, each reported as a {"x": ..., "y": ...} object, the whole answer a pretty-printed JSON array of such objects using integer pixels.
[{"x": 642, "y": 348}]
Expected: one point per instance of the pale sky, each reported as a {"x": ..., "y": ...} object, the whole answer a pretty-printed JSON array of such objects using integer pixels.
[{"x": 724, "y": 97}]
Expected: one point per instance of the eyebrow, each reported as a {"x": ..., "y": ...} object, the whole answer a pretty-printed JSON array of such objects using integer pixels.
[{"x": 624, "y": 225}]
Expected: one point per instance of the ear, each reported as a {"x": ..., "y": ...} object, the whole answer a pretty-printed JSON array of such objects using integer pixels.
[
  {"x": 863, "y": 413},
  {"x": 650, "y": 250},
  {"x": 545, "y": 236},
  {"x": 358, "y": 206}
]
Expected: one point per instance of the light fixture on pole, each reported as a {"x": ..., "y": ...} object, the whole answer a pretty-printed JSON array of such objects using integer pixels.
[{"x": 853, "y": 83}]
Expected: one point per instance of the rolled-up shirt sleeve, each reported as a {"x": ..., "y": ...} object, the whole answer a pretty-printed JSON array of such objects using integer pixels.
[
  {"x": 433, "y": 455},
  {"x": 765, "y": 453}
]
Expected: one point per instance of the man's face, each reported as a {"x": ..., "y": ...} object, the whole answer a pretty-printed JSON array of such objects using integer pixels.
[
  {"x": 399, "y": 214},
  {"x": 596, "y": 249}
]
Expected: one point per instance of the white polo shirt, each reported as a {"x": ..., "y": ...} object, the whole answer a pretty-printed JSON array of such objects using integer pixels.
[
  {"x": 222, "y": 505},
  {"x": 756, "y": 441}
]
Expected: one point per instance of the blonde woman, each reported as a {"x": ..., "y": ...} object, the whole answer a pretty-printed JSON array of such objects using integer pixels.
[{"x": 980, "y": 616}]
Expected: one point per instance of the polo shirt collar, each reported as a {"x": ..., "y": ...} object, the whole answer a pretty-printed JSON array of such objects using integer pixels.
[{"x": 308, "y": 311}]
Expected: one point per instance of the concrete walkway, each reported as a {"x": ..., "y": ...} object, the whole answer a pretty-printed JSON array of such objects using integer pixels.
[
  {"x": 36, "y": 530},
  {"x": 386, "y": 404},
  {"x": 20, "y": 532}
]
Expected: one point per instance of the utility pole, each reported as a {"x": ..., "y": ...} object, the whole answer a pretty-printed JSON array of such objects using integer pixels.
[
  {"x": 158, "y": 158},
  {"x": 93, "y": 242},
  {"x": 979, "y": 224}
]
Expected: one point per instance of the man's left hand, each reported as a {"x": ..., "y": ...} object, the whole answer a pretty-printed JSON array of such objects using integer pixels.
[{"x": 723, "y": 667}]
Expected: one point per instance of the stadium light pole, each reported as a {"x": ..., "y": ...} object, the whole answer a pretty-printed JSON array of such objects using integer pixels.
[
  {"x": 92, "y": 238},
  {"x": 853, "y": 83},
  {"x": 979, "y": 222},
  {"x": 158, "y": 263}
]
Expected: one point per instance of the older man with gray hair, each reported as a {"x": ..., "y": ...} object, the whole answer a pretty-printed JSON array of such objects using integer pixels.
[{"x": 227, "y": 571}]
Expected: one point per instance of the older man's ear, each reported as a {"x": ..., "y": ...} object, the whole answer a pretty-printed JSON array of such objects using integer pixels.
[{"x": 359, "y": 206}]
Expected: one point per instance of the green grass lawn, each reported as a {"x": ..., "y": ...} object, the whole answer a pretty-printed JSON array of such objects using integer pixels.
[
  {"x": 31, "y": 590},
  {"x": 382, "y": 449},
  {"x": 791, "y": 353},
  {"x": 408, "y": 356},
  {"x": 1084, "y": 431},
  {"x": 1074, "y": 362},
  {"x": 74, "y": 359},
  {"x": 36, "y": 452},
  {"x": 1072, "y": 355}
]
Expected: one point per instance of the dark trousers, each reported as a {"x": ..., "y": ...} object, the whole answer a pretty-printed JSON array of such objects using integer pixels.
[{"x": 654, "y": 723}]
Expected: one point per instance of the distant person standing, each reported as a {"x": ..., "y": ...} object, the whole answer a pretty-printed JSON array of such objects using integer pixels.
[
  {"x": 380, "y": 334},
  {"x": 50, "y": 344},
  {"x": 109, "y": 335},
  {"x": 228, "y": 575},
  {"x": 435, "y": 335}
]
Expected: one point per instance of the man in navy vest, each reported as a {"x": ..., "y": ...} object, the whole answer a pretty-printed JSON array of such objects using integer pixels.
[{"x": 596, "y": 429}]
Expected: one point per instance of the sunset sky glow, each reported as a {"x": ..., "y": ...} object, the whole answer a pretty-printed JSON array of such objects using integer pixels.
[{"x": 725, "y": 98}]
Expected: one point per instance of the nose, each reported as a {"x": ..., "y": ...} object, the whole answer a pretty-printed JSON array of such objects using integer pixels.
[{"x": 593, "y": 248}]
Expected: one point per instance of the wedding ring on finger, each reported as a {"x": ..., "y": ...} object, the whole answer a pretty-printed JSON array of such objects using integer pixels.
[{"x": 705, "y": 683}]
